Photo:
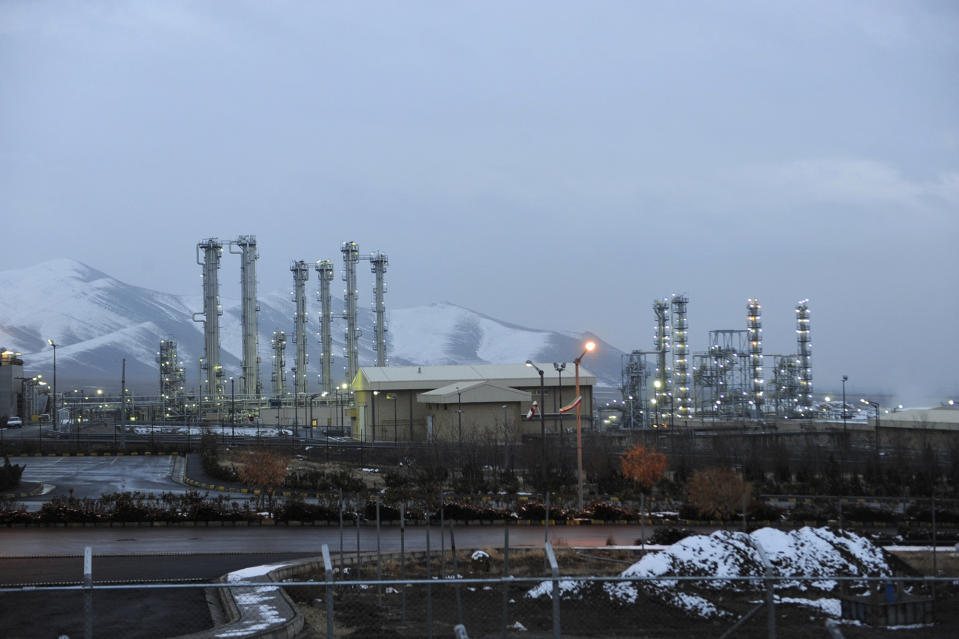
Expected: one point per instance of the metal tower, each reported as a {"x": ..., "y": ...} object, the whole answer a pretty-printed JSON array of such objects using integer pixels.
[
  {"x": 301, "y": 273},
  {"x": 754, "y": 334},
  {"x": 785, "y": 384},
  {"x": 378, "y": 262},
  {"x": 680, "y": 344},
  {"x": 324, "y": 273},
  {"x": 250, "y": 377},
  {"x": 279, "y": 363},
  {"x": 171, "y": 378},
  {"x": 212, "y": 249},
  {"x": 804, "y": 344},
  {"x": 662, "y": 382},
  {"x": 726, "y": 348},
  {"x": 635, "y": 372},
  {"x": 351, "y": 255}
]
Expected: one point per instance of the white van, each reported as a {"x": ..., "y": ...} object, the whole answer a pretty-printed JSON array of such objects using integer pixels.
[{"x": 14, "y": 422}]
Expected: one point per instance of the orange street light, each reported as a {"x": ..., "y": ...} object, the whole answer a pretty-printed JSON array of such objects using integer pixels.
[{"x": 588, "y": 347}]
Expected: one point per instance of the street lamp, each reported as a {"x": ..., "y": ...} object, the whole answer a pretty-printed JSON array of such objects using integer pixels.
[
  {"x": 875, "y": 406},
  {"x": 396, "y": 436},
  {"x": 588, "y": 348},
  {"x": 54, "y": 403},
  {"x": 542, "y": 416},
  {"x": 459, "y": 415},
  {"x": 845, "y": 378},
  {"x": 373, "y": 404},
  {"x": 232, "y": 411},
  {"x": 559, "y": 367},
  {"x": 341, "y": 397}
]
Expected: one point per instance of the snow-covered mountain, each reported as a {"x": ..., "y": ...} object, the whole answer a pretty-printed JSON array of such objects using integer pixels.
[{"x": 97, "y": 321}]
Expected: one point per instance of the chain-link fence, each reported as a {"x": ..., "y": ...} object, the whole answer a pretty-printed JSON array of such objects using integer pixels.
[{"x": 491, "y": 592}]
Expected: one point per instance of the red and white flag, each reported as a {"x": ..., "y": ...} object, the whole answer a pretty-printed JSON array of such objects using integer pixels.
[
  {"x": 532, "y": 411},
  {"x": 573, "y": 404}
]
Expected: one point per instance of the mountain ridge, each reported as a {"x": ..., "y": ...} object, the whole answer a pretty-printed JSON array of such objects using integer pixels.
[{"x": 98, "y": 320}]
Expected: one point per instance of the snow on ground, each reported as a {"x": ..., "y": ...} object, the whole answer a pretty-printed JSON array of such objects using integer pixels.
[
  {"x": 257, "y": 604},
  {"x": 220, "y": 431},
  {"x": 807, "y": 552}
]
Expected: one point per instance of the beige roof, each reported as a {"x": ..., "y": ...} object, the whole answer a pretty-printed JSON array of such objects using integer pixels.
[
  {"x": 386, "y": 378},
  {"x": 939, "y": 417},
  {"x": 478, "y": 392}
]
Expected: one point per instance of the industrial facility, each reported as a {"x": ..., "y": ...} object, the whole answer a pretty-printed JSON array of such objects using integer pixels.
[{"x": 726, "y": 382}]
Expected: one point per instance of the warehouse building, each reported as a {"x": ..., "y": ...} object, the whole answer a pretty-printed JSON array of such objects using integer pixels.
[{"x": 469, "y": 403}]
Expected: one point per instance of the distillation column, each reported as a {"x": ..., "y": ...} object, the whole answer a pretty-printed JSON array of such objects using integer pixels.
[
  {"x": 279, "y": 363},
  {"x": 378, "y": 262},
  {"x": 680, "y": 344},
  {"x": 301, "y": 273},
  {"x": 804, "y": 344},
  {"x": 250, "y": 377},
  {"x": 171, "y": 378},
  {"x": 351, "y": 255},
  {"x": 754, "y": 333},
  {"x": 212, "y": 250},
  {"x": 324, "y": 273},
  {"x": 661, "y": 381}
]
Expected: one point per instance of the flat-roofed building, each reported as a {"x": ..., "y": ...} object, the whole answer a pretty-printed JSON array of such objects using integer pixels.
[
  {"x": 423, "y": 403},
  {"x": 11, "y": 383}
]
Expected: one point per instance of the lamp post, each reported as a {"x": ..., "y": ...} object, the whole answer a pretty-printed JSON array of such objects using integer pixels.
[
  {"x": 341, "y": 397},
  {"x": 844, "y": 379},
  {"x": 559, "y": 367},
  {"x": 588, "y": 348},
  {"x": 459, "y": 416},
  {"x": 53, "y": 404},
  {"x": 396, "y": 435},
  {"x": 232, "y": 411},
  {"x": 542, "y": 417},
  {"x": 875, "y": 406},
  {"x": 373, "y": 404}
]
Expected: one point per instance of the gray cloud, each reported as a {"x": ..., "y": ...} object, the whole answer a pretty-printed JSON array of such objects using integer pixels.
[{"x": 552, "y": 164}]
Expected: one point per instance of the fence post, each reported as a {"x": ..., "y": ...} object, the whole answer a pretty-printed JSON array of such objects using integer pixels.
[
  {"x": 357, "y": 543},
  {"x": 379, "y": 558},
  {"x": 546, "y": 532},
  {"x": 505, "y": 577},
  {"x": 328, "y": 568},
  {"x": 442, "y": 536},
  {"x": 456, "y": 576},
  {"x": 403, "y": 555},
  {"x": 770, "y": 595},
  {"x": 429, "y": 577},
  {"x": 342, "y": 562},
  {"x": 87, "y": 593},
  {"x": 554, "y": 569}
]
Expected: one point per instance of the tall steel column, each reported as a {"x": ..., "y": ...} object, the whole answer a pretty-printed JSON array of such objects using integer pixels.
[
  {"x": 662, "y": 381},
  {"x": 680, "y": 346},
  {"x": 212, "y": 249},
  {"x": 324, "y": 273},
  {"x": 378, "y": 262},
  {"x": 301, "y": 273},
  {"x": 754, "y": 333},
  {"x": 250, "y": 377},
  {"x": 804, "y": 344},
  {"x": 279, "y": 363},
  {"x": 351, "y": 255},
  {"x": 171, "y": 378}
]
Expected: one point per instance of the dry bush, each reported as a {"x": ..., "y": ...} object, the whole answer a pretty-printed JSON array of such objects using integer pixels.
[
  {"x": 643, "y": 465},
  {"x": 264, "y": 470},
  {"x": 717, "y": 492}
]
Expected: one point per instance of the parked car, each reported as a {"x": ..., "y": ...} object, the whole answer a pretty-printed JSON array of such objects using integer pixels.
[{"x": 14, "y": 422}]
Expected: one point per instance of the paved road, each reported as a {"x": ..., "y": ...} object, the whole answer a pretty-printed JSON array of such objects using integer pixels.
[
  {"x": 92, "y": 476},
  {"x": 29, "y": 542}
]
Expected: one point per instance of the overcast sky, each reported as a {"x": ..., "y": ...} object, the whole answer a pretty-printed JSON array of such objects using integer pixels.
[{"x": 553, "y": 164}]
